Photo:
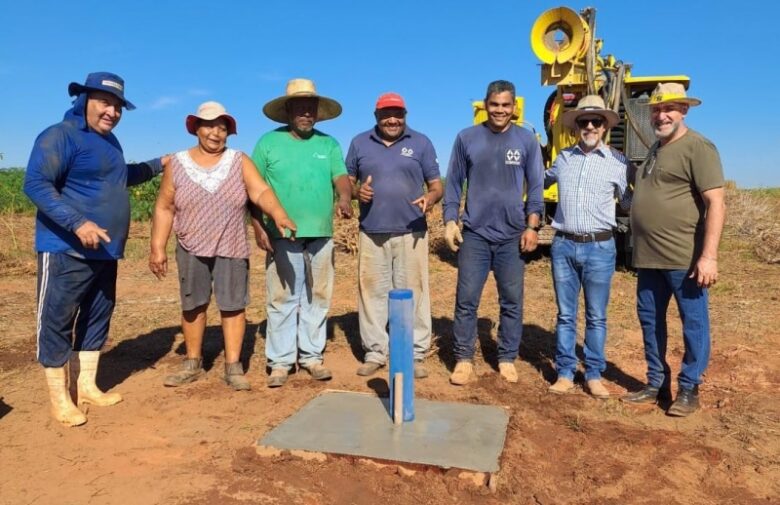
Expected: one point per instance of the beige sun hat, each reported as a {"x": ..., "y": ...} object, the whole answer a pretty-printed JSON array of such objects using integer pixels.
[
  {"x": 208, "y": 111},
  {"x": 590, "y": 105},
  {"x": 301, "y": 88},
  {"x": 666, "y": 92}
]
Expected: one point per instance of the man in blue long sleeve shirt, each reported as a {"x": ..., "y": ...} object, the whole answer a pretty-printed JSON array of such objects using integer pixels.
[
  {"x": 78, "y": 179},
  {"x": 496, "y": 159}
]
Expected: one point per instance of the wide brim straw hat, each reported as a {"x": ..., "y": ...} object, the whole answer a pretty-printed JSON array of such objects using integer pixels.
[
  {"x": 275, "y": 110},
  {"x": 671, "y": 92},
  {"x": 590, "y": 105},
  {"x": 209, "y": 111}
]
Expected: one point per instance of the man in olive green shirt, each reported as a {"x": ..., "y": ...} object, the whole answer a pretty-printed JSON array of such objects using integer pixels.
[
  {"x": 302, "y": 165},
  {"x": 676, "y": 219}
]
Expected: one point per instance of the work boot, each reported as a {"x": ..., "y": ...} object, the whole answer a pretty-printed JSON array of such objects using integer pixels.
[
  {"x": 508, "y": 371},
  {"x": 462, "y": 373},
  {"x": 687, "y": 402},
  {"x": 318, "y": 371},
  {"x": 420, "y": 372},
  {"x": 650, "y": 394},
  {"x": 278, "y": 377},
  {"x": 368, "y": 368},
  {"x": 597, "y": 389},
  {"x": 191, "y": 370},
  {"x": 562, "y": 386},
  {"x": 62, "y": 407},
  {"x": 85, "y": 367},
  {"x": 234, "y": 376}
]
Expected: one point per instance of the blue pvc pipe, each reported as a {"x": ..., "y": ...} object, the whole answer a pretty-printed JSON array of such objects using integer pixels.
[{"x": 401, "y": 310}]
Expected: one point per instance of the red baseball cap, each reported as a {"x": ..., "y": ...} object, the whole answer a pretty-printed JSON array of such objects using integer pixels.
[{"x": 389, "y": 100}]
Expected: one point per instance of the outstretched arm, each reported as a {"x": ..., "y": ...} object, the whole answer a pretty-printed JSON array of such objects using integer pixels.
[{"x": 262, "y": 196}]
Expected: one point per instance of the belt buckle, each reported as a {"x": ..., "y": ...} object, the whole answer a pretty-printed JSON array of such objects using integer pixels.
[{"x": 592, "y": 236}]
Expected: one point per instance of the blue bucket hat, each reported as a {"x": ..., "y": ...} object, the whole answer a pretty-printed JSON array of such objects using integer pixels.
[{"x": 102, "y": 81}]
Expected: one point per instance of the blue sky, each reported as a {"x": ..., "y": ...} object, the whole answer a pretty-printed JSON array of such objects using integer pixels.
[{"x": 439, "y": 55}]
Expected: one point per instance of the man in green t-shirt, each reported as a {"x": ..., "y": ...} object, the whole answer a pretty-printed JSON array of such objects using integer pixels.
[
  {"x": 677, "y": 218},
  {"x": 302, "y": 165}
]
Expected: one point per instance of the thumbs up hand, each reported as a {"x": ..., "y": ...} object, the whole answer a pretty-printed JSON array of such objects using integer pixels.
[{"x": 366, "y": 192}]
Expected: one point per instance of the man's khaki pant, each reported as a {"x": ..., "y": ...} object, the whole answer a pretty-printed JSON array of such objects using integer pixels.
[{"x": 392, "y": 261}]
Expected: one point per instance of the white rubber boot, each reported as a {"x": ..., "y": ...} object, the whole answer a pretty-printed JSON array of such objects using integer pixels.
[
  {"x": 62, "y": 407},
  {"x": 85, "y": 368}
]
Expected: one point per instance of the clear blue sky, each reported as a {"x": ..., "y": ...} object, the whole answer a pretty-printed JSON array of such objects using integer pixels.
[{"x": 438, "y": 54}]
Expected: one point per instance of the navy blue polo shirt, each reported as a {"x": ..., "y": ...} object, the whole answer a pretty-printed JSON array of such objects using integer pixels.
[
  {"x": 497, "y": 168},
  {"x": 398, "y": 173}
]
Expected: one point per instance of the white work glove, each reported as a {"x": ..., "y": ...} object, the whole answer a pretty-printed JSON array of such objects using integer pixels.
[{"x": 452, "y": 236}]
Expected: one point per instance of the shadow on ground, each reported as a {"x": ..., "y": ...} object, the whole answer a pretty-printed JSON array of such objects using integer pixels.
[
  {"x": 143, "y": 352},
  {"x": 4, "y": 408}
]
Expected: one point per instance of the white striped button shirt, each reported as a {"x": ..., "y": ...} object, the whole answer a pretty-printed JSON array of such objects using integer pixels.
[{"x": 587, "y": 187}]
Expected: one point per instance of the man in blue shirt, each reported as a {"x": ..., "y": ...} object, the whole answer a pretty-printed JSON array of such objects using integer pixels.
[
  {"x": 590, "y": 175},
  {"x": 496, "y": 159},
  {"x": 77, "y": 178},
  {"x": 392, "y": 163}
]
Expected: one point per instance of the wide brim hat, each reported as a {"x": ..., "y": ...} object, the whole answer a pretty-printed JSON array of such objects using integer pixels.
[
  {"x": 275, "y": 110},
  {"x": 209, "y": 111},
  {"x": 671, "y": 92},
  {"x": 590, "y": 105},
  {"x": 102, "y": 81}
]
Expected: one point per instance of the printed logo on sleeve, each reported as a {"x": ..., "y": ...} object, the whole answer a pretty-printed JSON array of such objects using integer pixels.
[{"x": 513, "y": 157}]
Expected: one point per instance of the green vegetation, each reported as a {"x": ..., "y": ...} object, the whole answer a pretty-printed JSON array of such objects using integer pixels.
[{"x": 14, "y": 201}]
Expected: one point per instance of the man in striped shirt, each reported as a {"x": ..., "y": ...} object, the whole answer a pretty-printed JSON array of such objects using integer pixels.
[{"x": 590, "y": 176}]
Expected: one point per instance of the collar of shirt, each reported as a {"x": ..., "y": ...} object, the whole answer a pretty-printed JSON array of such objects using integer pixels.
[
  {"x": 601, "y": 149},
  {"x": 374, "y": 135}
]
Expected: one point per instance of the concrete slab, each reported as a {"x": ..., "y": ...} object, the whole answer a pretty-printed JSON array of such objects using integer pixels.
[{"x": 447, "y": 435}]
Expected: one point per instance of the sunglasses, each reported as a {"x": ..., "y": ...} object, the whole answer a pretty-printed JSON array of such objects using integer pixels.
[{"x": 596, "y": 122}]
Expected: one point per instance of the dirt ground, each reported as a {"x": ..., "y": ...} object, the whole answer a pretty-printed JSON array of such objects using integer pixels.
[{"x": 195, "y": 444}]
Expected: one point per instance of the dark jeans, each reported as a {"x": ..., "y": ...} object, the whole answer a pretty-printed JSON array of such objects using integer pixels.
[
  {"x": 654, "y": 290},
  {"x": 476, "y": 258},
  {"x": 75, "y": 302}
]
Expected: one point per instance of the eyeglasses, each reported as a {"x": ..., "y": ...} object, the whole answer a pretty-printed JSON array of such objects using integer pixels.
[{"x": 595, "y": 121}]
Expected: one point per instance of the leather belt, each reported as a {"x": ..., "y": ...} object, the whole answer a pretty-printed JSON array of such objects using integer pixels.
[{"x": 598, "y": 236}]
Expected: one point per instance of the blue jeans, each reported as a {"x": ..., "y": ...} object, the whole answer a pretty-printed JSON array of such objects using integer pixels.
[
  {"x": 476, "y": 258},
  {"x": 653, "y": 291},
  {"x": 588, "y": 266},
  {"x": 297, "y": 308}
]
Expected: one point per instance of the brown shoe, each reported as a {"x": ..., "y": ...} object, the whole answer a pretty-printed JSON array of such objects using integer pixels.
[
  {"x": 318, "y": 371},
  {"x": 192, "y": 368},
  {"x": 462, "y": 373},
  {"x": 368, "y": 368},
  {"x": 597, "y": 389},
  {"x": 508, "y": 371},
  {"x": 562, "y": 386},
  {"x": 234, "y": 377},
  {"x": 278, "y": 377}
]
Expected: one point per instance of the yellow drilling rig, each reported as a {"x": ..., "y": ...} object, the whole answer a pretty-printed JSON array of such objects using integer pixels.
[{"x": 566, "y": 44}]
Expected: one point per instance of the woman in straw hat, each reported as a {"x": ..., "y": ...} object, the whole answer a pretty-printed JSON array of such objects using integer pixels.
[{"x": 203, "y": 197}]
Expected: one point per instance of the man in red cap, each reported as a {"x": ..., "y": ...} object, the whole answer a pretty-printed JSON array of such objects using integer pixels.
[{"x": 392, "y": 162}]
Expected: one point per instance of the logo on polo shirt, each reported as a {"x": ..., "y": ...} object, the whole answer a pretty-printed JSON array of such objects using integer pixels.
[
  {"x": 320, "y": 156},
  {"x": 407, "y": 151},
  {"x": 513, "y": 157}
]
